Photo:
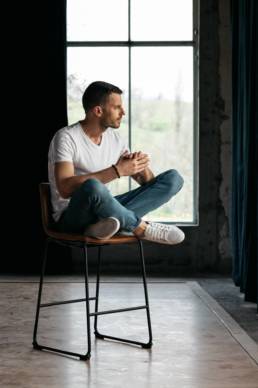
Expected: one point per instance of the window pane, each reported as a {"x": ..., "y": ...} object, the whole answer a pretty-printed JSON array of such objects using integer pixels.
[
  {"x": 88, "y": 64},
  {"x": 161, "y": 20},
  {"x": 97, "y": 20},
  {"x": 162, "y": 120}
]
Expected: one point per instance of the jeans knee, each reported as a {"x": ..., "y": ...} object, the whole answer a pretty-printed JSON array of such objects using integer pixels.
[
  {"x": 174, "y": 181},
  {"x": 93, "y": 185},
  {"x": 173, "y": 176}
]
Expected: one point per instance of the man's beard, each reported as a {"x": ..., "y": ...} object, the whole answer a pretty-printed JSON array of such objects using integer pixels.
[{"x": 108, "y": 124}]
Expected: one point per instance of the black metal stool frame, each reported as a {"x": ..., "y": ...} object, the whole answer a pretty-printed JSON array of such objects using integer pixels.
[{"x": 84, "y": 246}]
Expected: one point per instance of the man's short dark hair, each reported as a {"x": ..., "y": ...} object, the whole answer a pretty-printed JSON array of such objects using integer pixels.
[{"x": 96, "y": 94}]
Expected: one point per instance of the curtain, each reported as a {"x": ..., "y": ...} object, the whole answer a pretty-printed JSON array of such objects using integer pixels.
[
  {"x": 56, "y": 63},
  {"x": 244, "y": 215}
]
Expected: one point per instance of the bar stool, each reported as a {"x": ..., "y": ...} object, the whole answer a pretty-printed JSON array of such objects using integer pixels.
[{"x": 83, "y": 243}]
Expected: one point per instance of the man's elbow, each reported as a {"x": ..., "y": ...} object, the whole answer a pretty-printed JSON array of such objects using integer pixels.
[
  {"x": 63, "y": 191},
  {"x": 64, "y": 194}
]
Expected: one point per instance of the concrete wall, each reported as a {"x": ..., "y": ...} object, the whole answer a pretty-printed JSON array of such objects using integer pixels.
[{"x": 225, "y": 82}]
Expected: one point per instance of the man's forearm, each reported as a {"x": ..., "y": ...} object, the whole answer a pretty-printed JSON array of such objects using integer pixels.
[{"x": 74, "y": 182}]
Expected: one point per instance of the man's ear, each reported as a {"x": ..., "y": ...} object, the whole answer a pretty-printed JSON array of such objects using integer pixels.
[{"x": 98, "y": 111}]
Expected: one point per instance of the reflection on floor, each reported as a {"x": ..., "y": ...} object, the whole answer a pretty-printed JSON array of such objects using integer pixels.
[{"x": 196, "y": 343}]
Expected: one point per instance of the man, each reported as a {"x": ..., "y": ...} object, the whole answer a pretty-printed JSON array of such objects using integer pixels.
[{"x": 86, "y": 156}]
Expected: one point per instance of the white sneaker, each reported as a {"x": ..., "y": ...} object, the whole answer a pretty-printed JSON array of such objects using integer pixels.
[
  {"x": 103, "y": 229},
  {"x": 163, "y": 234}
]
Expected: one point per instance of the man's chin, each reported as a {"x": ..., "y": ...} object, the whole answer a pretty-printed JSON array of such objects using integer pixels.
[{"x": 115, "y": 126}]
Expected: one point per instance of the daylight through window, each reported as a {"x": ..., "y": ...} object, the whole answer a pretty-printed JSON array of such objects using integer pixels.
[{"x": 150, "y": 50}]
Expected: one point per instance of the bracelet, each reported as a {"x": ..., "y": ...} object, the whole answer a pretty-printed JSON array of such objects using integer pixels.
[{"x": 116, "y": 170}]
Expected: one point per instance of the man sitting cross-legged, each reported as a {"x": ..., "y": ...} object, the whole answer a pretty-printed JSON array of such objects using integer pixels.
[{"x": 86, "y": 156}]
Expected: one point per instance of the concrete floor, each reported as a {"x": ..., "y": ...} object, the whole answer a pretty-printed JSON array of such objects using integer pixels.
[{"x": 196, "y": 343}]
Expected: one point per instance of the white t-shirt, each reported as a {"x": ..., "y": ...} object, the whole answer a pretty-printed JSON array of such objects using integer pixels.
[{"x": 71, "y": 144}]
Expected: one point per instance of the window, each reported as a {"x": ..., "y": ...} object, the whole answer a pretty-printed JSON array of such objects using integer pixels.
[{"x": 149, "y": 49}]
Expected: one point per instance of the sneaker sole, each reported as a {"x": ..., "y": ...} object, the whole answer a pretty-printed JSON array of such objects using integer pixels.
[
  {"x": 104, "y": 229},
  {"x": 125, "y": 233},
  {"x": 163, "y": 242}
]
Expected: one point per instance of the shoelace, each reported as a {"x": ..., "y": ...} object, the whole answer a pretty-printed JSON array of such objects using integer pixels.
[{"x": 160, "y": 226}]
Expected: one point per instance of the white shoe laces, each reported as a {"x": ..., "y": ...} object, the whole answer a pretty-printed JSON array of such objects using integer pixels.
[{"x": 160, "y": 226}]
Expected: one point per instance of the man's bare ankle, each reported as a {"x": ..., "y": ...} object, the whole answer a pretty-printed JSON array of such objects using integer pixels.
[{"x": 139, "y": 231}]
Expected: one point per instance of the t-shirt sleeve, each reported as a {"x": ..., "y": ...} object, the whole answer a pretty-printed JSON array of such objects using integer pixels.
[{"x": 63, "y": 148}]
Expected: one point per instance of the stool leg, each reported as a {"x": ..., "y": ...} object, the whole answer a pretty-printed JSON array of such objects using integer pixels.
[
  {"x": 87, "y": 296},
  {"x": 97, "y": 295},
  {"x": 43, "y": 347},
  {"x": 103, "y": 336},
  {"x": 149, "y": 344},
  {"x": 43, "y": 268}
]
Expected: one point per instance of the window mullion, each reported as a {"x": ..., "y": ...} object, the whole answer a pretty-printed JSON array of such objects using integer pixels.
[
  {"x": 196, "y": 112},
  {"x": 129, "y": 86}
]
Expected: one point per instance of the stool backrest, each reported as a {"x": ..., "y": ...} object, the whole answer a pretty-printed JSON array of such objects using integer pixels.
[{"x": 46, "y": 208}]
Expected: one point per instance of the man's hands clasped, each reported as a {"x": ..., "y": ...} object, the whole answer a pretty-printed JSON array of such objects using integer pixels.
[{"x": 132, "y": 163}]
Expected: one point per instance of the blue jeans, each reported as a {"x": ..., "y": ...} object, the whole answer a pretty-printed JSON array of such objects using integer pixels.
[{"x": 92, "y": 201}]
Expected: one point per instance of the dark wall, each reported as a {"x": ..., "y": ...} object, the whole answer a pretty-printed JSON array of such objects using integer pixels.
[{"x": 36, "y": 108}]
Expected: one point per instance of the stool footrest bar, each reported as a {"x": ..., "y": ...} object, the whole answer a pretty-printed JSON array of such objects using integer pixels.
[
  {"x": 66, "y": 302},
  {"x": 118, "y": 310}
]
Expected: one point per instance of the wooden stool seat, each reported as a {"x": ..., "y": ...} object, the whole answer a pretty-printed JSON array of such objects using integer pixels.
[{"x": 90, "y": 240}]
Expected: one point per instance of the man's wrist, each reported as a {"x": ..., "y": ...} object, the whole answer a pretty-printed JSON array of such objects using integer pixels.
[{"x": 116, "y": 170}]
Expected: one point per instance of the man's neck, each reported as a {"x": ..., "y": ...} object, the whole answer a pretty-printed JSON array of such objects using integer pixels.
[{"x": 93, "y": 132}]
